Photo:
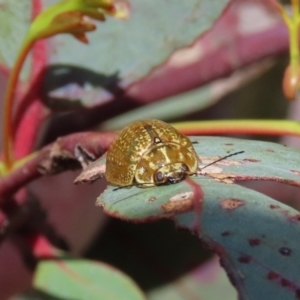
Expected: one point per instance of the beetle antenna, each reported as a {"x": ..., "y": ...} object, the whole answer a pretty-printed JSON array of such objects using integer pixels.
[
  {"x": 119, "y": 188},
  {"x": 212, "y": 163},
  {"x": 222, "y": 158},
  {"x": 127, "y": 186}
]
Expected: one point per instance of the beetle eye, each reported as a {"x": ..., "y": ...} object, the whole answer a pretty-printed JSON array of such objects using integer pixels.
[
  {"x": 172, "y": 180},
  {"x": 159, "y": 176}
]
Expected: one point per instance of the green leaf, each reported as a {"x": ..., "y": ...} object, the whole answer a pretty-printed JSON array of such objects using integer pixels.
[
  {"x": 256, "y": 236},
  {"x": 257, "y": 240},
  {"x": 14, "y": 22},
  {"x": 83, "y": 279},
  {"x": 207, "y": 282},
  {"x": 70, "y": 17},
  {"x": 166, "y": 263},
  {"x": 121, "y": 53}
]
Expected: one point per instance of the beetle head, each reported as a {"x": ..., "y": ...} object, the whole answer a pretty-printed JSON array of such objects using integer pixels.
[{"x": 171, "y": 173}]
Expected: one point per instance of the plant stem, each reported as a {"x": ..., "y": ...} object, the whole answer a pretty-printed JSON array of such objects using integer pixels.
[
  {"x": 293, "y": 36},
  {"x": 295, "y": 7},
  {"x": 9, "y": 101},
  {"x": 259, "y": 127},
  {"x": 282, "y": 11}
]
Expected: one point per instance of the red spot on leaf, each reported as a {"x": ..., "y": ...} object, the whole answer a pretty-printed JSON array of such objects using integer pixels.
[
  {"x": 225, "y": 233},
  {"x": 295, "y": 218},
  {"x": 286, "y": 283},
  {"x": 295, "y": 172},
  {"x": 251, "y": 160},
  {"x": 254, "y": 242},
  {"x": 272, "y": 275},
  {"x": 245, "y": 259},
  {"x": 292, "y": 218},
  {"x": 274, "y": 206},
  {"x": 231, "y": 204},
  {"x": 269, "y": 150}
]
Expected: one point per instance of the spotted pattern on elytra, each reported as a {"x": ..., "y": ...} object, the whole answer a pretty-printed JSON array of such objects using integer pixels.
[{"x": 148, "y": 153}]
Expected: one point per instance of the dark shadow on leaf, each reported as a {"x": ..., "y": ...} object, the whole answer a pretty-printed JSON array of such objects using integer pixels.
[
  {"x": 71, "y": 87},
  {"x": 152, "y": 254},
  {"x": 36, "y": 294},
  {"x": 80, "y": 98}
]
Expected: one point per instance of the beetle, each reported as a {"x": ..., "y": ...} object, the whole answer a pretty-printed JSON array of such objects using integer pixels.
[{"x": 148, "y": 153}]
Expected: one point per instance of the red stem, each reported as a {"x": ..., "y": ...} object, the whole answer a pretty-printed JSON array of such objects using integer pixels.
[
  {"x": 31, "y": 111},
  {"x": 94, "y": 143},
  {"x": 8, "y": 104}
]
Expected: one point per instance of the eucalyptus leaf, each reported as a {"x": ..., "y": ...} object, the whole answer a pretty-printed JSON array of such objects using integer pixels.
[
  {"x": 83, "y": 279},
  {"x": 123, "y": 52},
  {"x": 256, "y": 236}
]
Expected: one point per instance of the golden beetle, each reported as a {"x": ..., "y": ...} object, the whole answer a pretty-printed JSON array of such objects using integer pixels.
[{"x": 148, "y": 153}]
